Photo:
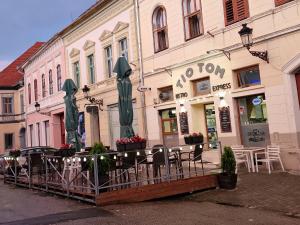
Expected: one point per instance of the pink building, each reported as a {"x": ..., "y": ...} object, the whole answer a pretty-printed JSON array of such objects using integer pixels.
[{"x": 44, "y": 75}]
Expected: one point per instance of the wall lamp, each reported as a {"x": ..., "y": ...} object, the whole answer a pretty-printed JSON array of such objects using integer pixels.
[
  {"x": 38, "y": 109},
  {"x": 92, "y": 100},
  {"x": 247, "y": 40},
  {"x": 226, "y": 53}
]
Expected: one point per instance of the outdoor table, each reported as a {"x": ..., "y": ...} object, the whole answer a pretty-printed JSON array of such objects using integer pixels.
[{"x": 250, "y": 151}]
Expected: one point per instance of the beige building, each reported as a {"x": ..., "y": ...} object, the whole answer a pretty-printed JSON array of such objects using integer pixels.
[
  {"x": 93, "y": 44},
  {"x": 203, "y": 79},
  {"x": 12, "y": 107}
]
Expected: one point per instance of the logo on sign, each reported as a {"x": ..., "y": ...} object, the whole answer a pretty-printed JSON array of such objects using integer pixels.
[{"x": 257, "y": 101}]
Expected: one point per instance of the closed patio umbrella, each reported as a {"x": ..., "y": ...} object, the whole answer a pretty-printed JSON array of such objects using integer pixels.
[
  {"x": 71, "y": 116},
  {"x": 123, "y": 71}
]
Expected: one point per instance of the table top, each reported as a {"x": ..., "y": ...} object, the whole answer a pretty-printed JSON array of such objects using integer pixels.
[{"x": 250, "y": 149}]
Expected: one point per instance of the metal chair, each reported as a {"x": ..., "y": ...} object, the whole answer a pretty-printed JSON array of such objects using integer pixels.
[
  {"x": 271, "y": 154},
  {"x": 240, "y": 157}
]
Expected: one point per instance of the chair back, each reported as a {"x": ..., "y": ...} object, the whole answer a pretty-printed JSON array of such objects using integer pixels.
[
  {"x": 198, "y": 152},
  {"x": 273, "y": 151},
  {"x": 158, "y": 155}
]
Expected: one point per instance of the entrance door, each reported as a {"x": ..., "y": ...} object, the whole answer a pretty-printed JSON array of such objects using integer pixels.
[
  {"x": 169, "y": 127},
  {"x": 62, "y": 129},
  {"x": 22, "y": 136},
  {"x": 254, "y": 121},
  {"x": 94, "y": 123},
  {"x": 210, "y": 118}
]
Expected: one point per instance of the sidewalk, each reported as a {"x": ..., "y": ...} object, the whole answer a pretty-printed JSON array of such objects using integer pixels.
[{"x": 278, "y": 192}]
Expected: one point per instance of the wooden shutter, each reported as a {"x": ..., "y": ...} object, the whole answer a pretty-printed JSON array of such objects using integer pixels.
[
  {"x": 281, "y": 2},
  {"x": 235, "y": 10}
]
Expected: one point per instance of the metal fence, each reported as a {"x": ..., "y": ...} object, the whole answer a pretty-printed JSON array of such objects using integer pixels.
[{"x": 85, "y": 176}]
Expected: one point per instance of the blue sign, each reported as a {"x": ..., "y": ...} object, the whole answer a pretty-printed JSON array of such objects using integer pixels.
[{"x": 257, "y": 101}]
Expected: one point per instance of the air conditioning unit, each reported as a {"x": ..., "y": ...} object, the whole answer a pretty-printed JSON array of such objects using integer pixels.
[{"x": 164, "y": 96}]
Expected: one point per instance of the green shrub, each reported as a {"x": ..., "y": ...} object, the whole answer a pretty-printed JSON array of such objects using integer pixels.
[
  {"x": 103, "y": 161},
  {"x": 228, "y": 163}
]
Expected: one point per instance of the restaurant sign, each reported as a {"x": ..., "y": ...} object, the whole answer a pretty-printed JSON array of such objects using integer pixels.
[{"x": 209, "y": 68}]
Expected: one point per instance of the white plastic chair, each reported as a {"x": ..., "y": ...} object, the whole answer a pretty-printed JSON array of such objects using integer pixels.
[
  {"x": 240, "y": 156},
  {"x": 271, "y": 154}
]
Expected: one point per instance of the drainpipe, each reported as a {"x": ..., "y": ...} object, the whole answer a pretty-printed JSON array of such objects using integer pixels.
[{"x": 141, "y": 66}]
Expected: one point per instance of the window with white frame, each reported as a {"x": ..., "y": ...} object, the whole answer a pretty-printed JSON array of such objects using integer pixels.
[
  {"x": 91, "y": 68},
  {"x": 109, "y": 60},
  {"x": 7, "y": 105},
  {"x": 160, "y": 30},
  {"x": 76, "y": 71},
  {"x": 50, "y": 83},
  {"x": 123, "y": 48},
  {"x": 58, "y": 70},
  {"x": 43, "y": 86}
]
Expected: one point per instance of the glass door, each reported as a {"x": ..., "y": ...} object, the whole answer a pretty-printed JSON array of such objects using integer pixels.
[
  {"x": 169, "y": 127},
  {"x": 254, "y": 120},
  {"x": 210, "y": 118}
]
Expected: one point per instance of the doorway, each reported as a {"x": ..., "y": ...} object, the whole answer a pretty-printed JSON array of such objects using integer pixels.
[
  {"x": 253, "y": 120},
  {"x": 210, "y": 120},
  {"x": 169, "y": 127},
  {"x": 22, "y": 136}
]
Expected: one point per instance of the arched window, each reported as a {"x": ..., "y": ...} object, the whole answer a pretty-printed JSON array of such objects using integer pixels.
[
  {"x": 160, "y": 31},
  {"x": 29, "y": 93},
  {"x": 192, "y": 18},
  {"x": 43, "y": 86},
  {"x": 50, "y": 83},
  {"x": 58, "y": 69},
  {"x": 35, "y": 86}
]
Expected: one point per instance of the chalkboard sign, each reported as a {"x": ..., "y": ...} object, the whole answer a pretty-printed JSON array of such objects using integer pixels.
[
  {"x": 225, "y": 119},
  {"x": 184, "y": 124}
]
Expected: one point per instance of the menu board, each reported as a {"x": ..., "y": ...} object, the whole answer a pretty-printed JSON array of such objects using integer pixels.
[
  {"x": 225, "y": 121},
  {"x": 184, "y": 124}
]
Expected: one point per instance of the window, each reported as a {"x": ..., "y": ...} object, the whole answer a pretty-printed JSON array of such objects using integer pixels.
[
  {"x": 192, "y": 18},
  {"x": 109, "y": 60},
  {"x": 38, "y": 134},
  {"x": 166, "y": 94},
  {"x": 248, "y": 76},
  {"x": 76, "y": 71},
  {"x": 235, "y": 10},
  {"x": 22, "y": 106},
  {"x": 201, "y": 86},
  {"x": 43, "y": 86},
  {"x": 50, "y": 83},
  {"x": 29, "y": 93},
  {"x": 91, "y": 68},
  {"x": 7, "y": 105},
  {"x": 47, "y": 132},
  {"x": 281, "y": 2},
  {"x": 160, "y": 33},
  {"x": 8, "y": 141},
  {"x": 123, "y": 48},
  {"x": 31, "y": 135},
  {"x": 35, "y": 86},
  {"x": 58, "y": 70}
]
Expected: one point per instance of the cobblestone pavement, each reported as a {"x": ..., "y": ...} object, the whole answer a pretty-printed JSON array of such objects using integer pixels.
[{"x": 260, "y": 199}]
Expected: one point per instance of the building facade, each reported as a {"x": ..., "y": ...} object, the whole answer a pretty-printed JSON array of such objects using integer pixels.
[
  {"x": 44, "y": 75},
  {"x": 12, "y": 107},
  {"x": 202, "y": 79},
  {"x": 93, "y": 44}
]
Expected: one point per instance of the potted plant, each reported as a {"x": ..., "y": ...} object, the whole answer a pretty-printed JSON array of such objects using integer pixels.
[
  {"x": 228, "y": 178},
  {"x": 14, "y": 153},
  {"x": 197, "y": 138},
  {"x": 103, "y": 162}
]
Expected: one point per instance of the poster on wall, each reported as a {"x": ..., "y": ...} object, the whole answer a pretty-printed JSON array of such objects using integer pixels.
[
  {"x": 225, "y": 120},
  {"x": 81, "y": 129},
  {"x": 184, "y": 124}
]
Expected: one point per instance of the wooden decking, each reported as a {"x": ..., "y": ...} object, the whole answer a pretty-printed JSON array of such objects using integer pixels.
[{"x": 156, "y": 191}]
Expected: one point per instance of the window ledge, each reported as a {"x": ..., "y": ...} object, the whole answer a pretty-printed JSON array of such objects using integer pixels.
[{"x": 237, "y": 90}]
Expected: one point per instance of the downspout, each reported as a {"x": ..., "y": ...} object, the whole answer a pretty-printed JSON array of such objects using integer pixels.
[{"x": 141, "y": 66}]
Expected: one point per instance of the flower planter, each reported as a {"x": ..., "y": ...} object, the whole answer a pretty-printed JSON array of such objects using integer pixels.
[
  {"x": 15, "y": 153},
  {"x": 188, "y": 140},
  {"x": 65, "y": 152},
  {"x": 227, "y": 181},
  {"x": 197, "y": 139},
  {"x": 131, "y": 146}
]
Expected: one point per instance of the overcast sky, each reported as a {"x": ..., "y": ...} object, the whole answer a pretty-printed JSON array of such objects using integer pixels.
[{"x": 23, "y": 22}]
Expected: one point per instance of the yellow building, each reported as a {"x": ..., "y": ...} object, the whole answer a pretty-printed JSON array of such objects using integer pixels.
[
  {"x": 12, "y": 116},
  {"x": 203, "y": 79}
]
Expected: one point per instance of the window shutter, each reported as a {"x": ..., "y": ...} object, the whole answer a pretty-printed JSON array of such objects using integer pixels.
[
  {"x": 235, "y": 10},
  {"x": 281, "y": 2}
]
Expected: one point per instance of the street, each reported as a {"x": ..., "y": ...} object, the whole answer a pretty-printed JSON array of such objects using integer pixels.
[{"x": 213, "y": 207}]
